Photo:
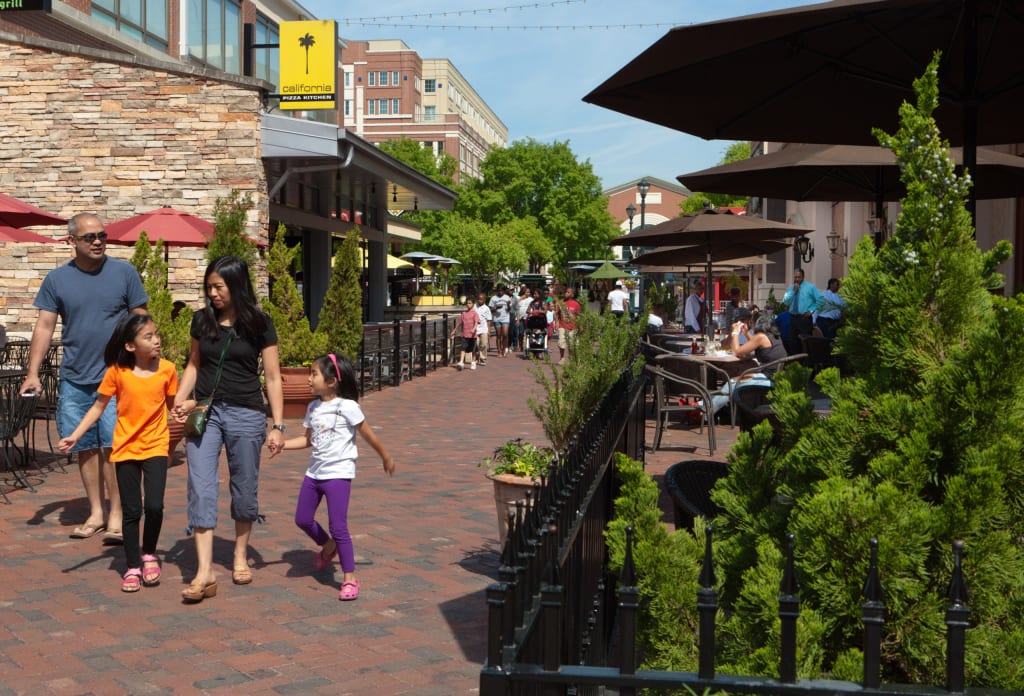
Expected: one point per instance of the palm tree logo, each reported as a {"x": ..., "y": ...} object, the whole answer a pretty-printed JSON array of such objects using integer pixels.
[{"x": 307, "y": 42}]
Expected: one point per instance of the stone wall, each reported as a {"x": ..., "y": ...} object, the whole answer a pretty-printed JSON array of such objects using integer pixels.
[{"x": 98, "y": 132}]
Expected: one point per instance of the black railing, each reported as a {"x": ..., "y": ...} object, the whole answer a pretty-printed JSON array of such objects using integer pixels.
[
  {"x": 556, "y": 540},
  {"x": 393, "y": 352},
  {"x": 546, "y": 670}
]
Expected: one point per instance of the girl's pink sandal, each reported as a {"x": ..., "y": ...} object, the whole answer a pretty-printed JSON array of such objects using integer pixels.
[
  {"x": 349, "y": 590},
  {"x": 322, "y": 562},
  {"x": 132, "y": 580},
  {"x": 150, "y": 570}
]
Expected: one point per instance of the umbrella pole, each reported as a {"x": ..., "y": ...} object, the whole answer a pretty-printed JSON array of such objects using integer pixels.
[{"x": 709, "y": 314}]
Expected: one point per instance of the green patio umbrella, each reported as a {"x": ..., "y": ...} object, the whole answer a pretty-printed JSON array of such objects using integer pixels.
[{"x": 606, "y": 271}]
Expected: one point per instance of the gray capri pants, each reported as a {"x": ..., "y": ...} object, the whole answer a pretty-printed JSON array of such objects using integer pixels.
[{"x": 242, "y": 432}]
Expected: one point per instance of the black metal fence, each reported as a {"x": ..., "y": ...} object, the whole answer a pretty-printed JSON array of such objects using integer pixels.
[
  {"x": 551, "y": 613},
  {"x": 556, "y": 541},
  {"x": 393, "y": 352}
]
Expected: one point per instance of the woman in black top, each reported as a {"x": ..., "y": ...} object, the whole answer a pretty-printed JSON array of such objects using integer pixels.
[
  {"x": 233, "y": 325},
  {"x": 760, "y": 340}
]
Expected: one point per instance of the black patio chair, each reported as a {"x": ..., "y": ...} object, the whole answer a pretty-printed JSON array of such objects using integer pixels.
[
  {"x": 689, "y": 484},
  {"x": 677, "y": 395}
]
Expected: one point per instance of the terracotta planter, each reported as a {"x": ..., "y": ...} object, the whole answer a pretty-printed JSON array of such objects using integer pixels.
[
  {"x": 507, "y": 490},
  {"x": 295, "y": 386}
]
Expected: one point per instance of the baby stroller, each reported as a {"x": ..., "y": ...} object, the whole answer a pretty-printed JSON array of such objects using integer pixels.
[{"x": 536, "y": 339}]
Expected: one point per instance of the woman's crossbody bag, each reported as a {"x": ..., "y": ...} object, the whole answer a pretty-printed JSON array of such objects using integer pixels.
[{"x": 195, "y": 424}]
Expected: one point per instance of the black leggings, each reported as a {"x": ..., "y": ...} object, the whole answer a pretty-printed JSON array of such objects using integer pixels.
[{"x": 137, "y": 481}]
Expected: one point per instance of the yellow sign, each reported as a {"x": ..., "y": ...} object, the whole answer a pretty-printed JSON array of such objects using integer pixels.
[{"x": 309, "y": 65}]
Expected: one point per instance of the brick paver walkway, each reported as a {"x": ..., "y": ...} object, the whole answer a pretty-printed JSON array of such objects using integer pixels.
[{"x": 426, "y": 548}]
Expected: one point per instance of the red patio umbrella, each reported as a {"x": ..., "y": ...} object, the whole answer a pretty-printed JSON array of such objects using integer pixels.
[
  {"x": 175, "y": 227},
  {"x": 18, "y": 213},
  {"x": 13, "y": 234}
]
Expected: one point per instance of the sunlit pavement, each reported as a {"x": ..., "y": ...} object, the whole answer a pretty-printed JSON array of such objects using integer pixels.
[{"x": 426, "y": 548}]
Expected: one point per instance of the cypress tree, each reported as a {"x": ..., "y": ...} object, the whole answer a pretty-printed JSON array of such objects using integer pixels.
[{"x": 922, "y": 448}]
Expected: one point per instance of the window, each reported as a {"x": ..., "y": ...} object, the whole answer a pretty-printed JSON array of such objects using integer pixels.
[
  {"x": 371, "y": 79},
  {"x": 215, "y": 33},
  {"x": 144, "y": 20},
  {"x": 348, "y": 78},
  {"x": 430, "y": 86},
  {"x": 371, "y": 107},
  {"x": 383, "y": 78},
  {"x": 429, "y": 113},
  {"x": 266, "y": 58},
  {"x": 394, "y": 78},
  {"x": 394, "y": 107},
  {"x": 348, "y": 107},
  {"x": 383, "y": 107}
]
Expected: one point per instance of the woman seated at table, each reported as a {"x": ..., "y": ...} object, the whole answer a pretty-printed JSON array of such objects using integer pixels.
[
  {"x": 761, "y": 343},
  {"x": 760, "y": 338}
]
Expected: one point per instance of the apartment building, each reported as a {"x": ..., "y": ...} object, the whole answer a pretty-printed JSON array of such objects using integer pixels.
[
  {"x": 390, "y": 92},
  {"x": 119, "y": 108}
]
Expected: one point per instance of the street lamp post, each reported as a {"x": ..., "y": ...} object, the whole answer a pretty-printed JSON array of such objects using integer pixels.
[
  {"x": 643, "y": 186},
  {"x": 630, "y": 212}
]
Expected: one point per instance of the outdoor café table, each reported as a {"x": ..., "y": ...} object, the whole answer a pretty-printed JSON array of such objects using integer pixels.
[{"x": 724, "y": 360}]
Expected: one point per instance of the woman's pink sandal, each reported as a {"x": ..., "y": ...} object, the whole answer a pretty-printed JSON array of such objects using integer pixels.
[
  {"x": 349, "y": 590},
  {"x": 132, "y": 580},
  {"x": 150, "y": 570}
]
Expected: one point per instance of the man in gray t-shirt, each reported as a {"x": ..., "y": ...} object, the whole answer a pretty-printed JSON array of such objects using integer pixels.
[{"x": 89, "y": 294}]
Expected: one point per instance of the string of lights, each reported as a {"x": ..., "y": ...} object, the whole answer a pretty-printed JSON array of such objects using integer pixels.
[
  {"x": 458, "y": 13},
  {"x": 420, "y": 20},
  {"x": 508, "y": 27}
]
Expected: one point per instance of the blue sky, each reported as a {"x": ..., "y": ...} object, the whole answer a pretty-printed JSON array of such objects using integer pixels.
[{"x": 535, "y": 79}]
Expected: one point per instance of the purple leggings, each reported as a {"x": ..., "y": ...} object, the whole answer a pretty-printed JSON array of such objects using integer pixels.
[{"x": 337, "y": 492}]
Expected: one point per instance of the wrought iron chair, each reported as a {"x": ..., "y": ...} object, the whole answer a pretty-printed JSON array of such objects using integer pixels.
[
  {"x": 15, "y": 416},
  {"x": 14, "y": 354},
  {"x": 671, "y": 394}
]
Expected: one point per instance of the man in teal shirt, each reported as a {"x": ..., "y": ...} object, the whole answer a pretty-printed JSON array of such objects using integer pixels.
[{"x": 803, "y": 300}]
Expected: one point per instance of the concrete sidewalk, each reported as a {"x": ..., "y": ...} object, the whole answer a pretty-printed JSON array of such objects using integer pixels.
[{"x": 426, "y": 548}]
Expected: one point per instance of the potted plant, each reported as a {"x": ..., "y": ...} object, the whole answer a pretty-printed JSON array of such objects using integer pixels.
[
  {"x": 297, "y": 344},
  {"x": 513, "y": 468}
]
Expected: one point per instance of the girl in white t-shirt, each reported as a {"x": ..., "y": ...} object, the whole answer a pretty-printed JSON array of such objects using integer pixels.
[{"x": 331, "y": 422}]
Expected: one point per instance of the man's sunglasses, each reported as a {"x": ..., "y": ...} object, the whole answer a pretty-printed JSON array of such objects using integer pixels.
[{"x": 91, "y": 237}]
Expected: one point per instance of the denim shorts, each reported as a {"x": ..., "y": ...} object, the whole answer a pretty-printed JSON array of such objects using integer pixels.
[
  {"x": 73, "y": 400},
  {"x": 241, "y": 432}
]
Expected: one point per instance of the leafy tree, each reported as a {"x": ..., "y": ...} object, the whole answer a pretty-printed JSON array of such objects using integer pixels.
[
  {"x": 547, "y": 183},
  {"x": 296, "y": 342},
  {"x": 441, "y": 168},
  {"x": 528, "y": 234},
  {"x": 922, "y": 448},
  {"x": 341, "y": 316},
  {"x": 734, "y": 152},
  {"x": 483, "y": 250}
]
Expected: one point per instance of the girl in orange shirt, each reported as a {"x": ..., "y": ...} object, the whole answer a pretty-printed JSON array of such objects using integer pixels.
[{"x": 144, "y": 385}]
